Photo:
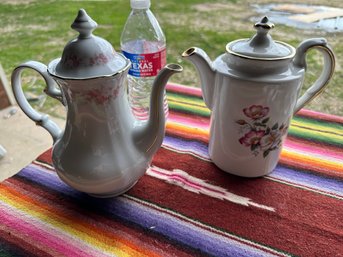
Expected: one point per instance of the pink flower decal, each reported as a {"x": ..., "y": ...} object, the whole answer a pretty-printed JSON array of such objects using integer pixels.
[
  {"x": 251, "y": 138},
  {"x": 100, "y": 96},
  {"x": 72, "y": 61},
  {"x": 99, "y": 59},
  {"x": 271, "y": 140},
  {"x": 256, "y": 111},
  {"x": 260, "y": 137}
]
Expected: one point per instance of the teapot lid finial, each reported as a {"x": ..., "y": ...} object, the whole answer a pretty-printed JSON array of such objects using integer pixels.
[
  {"x": 261, "y": 45},
  {"x": 262, "y": 38},
  {"x": 265, "y": 24},
  {"x": 84, "y": 24},
  {"x": 87, "y": 56}
]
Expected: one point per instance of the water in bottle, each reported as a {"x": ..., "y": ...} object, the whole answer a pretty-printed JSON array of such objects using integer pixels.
[{"x": 143, "y": 42}]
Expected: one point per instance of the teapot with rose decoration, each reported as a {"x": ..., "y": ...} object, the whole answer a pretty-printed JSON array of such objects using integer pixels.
[
  {"x": 103, "y": 149},
  {"x": 252, "y": 91}
]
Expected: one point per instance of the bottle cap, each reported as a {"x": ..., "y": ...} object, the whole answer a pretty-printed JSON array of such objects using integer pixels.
[{"x": 140, "y": 4}]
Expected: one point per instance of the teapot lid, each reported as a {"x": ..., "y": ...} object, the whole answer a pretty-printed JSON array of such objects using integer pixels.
[
  {"x": 261, "y": 46},
  {"x": 87, "y": 56}
]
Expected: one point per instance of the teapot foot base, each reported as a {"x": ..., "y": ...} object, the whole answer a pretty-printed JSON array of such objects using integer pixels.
[{"x": 114, "y": 193}]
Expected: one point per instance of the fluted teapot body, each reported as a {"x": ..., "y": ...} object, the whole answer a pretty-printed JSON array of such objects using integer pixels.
[{"x": 103, "y": 149}]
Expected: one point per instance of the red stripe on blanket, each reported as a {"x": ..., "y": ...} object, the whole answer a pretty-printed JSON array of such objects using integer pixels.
[{"x": 290, "y": 204}]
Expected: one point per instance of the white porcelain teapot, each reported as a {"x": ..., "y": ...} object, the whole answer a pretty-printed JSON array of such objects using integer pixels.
[
  {"x": 103, "y": 150},
  {"x": 252, "y": 91}
]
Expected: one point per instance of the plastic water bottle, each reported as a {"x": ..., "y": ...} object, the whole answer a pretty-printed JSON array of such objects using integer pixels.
[{"x": 143, "y": 42}]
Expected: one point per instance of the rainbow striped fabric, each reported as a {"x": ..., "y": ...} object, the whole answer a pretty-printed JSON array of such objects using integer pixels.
[{"x": 185, "y": 205}]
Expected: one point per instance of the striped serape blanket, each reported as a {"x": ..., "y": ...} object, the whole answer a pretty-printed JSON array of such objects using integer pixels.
[{"x": 185, "y": 205}]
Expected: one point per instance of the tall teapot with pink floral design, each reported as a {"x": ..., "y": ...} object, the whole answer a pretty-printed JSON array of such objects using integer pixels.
[
  {"x": 253, "y": 90},
  {"x": 103, "y": 149}
]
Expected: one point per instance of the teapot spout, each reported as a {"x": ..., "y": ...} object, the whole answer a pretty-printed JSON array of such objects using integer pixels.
[
  {"x": 203, "y": 64},
  {"x": 149, "y": 135}
]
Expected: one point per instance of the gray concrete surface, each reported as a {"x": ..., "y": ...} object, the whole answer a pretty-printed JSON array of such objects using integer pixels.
[{"x": 22, "y": 139}]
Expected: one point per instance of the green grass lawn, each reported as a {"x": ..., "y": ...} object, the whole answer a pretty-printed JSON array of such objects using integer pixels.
[{"x": 39, "y": 30}]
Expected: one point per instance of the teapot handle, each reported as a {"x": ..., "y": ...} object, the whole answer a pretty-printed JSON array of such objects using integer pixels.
[
  {"x": 51, "y": 90},
  {"x": 327, "y": 72}
]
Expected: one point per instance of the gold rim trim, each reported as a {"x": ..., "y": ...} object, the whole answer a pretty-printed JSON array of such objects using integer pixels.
[
  {"x": 189, "y": 52},
  {"x": 331, "y": 55},
  {"x": 126, "y": 67},
  {"x": 291, "y": 55}
]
